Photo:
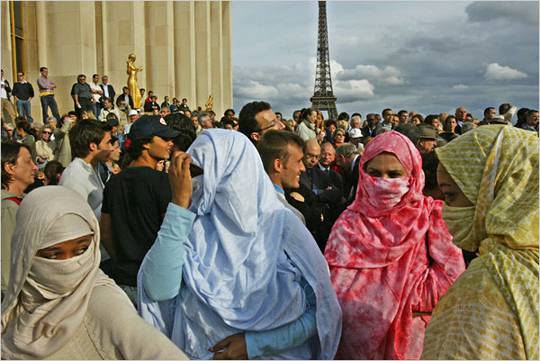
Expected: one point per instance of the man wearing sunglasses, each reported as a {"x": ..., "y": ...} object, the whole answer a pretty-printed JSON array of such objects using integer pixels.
[
  {"x": 256, "y": 118},
  {"x": 23, "y": 93},
  {"x": 135, "y": 201}
]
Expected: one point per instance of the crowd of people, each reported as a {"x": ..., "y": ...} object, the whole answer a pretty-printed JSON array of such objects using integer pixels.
[{"x": 168, "y": 233}]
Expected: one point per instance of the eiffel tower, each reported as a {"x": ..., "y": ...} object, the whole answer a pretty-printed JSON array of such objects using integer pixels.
[{"x": 323, "y": 97}]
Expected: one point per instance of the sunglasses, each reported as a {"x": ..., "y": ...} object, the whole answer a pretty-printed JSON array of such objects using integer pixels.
[
  {"x": 195, "y": 170},
  {"x": 46, "y": 132}
]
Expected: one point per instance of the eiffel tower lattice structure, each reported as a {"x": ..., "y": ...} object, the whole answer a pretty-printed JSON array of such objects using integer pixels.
[{"x": 323, "y": 97}]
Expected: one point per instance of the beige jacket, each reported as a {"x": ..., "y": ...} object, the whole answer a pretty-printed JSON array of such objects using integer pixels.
[
  {"x": 62, "y": 151},
  {"x": 116, "y": 332},
  {"x": 44, "y": 150},
  {"x": 306, "y": 131},
  {"x": 9, "y": 211}
]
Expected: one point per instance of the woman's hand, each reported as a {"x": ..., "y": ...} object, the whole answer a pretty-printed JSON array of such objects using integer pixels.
[
  {"x": 231, "y": 348},
  {"x": 180, "y": 179}
]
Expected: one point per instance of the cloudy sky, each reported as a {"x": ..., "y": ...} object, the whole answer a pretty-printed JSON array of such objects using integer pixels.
[{"x": 416, "y": 55}]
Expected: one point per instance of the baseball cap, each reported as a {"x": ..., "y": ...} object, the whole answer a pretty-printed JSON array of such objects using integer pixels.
[
  {"x": 132, "y": 112},
  {"x": 148, "y": 126}
]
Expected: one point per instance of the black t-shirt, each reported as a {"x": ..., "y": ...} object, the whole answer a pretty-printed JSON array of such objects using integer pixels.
[{"x": 136, "y": 199}]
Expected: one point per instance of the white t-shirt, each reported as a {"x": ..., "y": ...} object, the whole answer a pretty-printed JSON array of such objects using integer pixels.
[
  {"x": 94, "y": 86},
  {"x": 83, "y": 179},
  {"x": 106, "y": 90},
  {"x": 3, "y": 93}
]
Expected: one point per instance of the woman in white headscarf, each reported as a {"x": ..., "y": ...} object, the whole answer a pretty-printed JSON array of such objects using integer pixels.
[
  {"x": 238, "y": 267},
  {"x": 59, "y": 304}
]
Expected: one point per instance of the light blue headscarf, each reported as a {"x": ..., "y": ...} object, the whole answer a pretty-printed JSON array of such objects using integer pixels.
[{"x": 245, "y": 258}]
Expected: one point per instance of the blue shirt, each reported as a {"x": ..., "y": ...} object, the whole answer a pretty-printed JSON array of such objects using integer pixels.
[
  {"x": 162, "y": 277},
  {"x": 278, "y": 189}
]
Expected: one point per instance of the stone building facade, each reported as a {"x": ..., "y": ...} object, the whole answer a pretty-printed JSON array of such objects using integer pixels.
[{"x": 183, "y": 46}]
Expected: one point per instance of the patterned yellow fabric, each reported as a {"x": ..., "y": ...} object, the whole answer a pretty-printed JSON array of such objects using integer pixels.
[{"x": 491, "y": 312}]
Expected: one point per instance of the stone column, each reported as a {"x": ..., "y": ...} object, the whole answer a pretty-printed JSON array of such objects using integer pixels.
[
  {"x": 227, "y": 57},
  {"x": 41, "y": 32},
  {"x": 216, "y": 21},
  {"x": 68, "y": 50},
  {"x": 35, "y": 51},
  {"x": 102, "y": 44},
  {"x": 202, "y": 52},
  {"x": 7, "y": 51},
  {"x": 87, "y": 23},
  {"x": 123, "y": 33},
  {"x": 138, "y": 44},
  {"x": 160, "y": 48},
  {"x": 184, "y": 51}
]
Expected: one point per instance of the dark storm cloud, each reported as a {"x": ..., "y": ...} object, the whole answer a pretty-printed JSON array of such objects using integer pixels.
[{"x": 512, "y": 11}]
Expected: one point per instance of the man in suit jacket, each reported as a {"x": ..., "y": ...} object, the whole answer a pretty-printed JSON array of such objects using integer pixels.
[
  {"x": 348, "y": 160},
  {"x": 108, "y": 90},
  {"x": 325, "y": 188},
  {"x": 372, "y": 126},
  {"x": 124, "y": 97}
]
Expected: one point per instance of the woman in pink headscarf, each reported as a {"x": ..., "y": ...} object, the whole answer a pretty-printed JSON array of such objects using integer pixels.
[{"x": 391, "y": 256}]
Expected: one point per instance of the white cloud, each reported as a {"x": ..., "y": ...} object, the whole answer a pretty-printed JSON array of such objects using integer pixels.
[
  {"x": 460, "y": 87},
  {"x": 335, "y": 67},
  {"x": 387, "y": 75},
  {"x": 294, "y": 84},
  {"x": 294, "y": 90},
  {"x": 494, "y": 71},
  {"x": 349, "y": 91},
  {"x": 256, "y": 90}
]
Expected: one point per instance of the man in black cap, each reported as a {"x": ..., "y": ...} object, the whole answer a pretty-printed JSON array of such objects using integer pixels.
[{"x": 135, "y": 201}]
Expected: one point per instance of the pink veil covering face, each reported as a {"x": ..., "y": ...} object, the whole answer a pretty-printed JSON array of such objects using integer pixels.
[
  {"x": 364, "y": 236},
  {"x": 387, "y": 264}
]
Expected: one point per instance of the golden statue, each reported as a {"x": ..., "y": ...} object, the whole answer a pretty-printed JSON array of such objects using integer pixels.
[
  {"x": 132, "y": 85},
  {"x": 209, "y": 104}
]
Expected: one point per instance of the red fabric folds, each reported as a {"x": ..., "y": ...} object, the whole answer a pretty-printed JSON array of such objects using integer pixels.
[{"x": 390, "y": 267}]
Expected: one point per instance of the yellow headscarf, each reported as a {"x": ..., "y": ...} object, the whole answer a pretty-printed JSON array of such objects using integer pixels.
[{"x": 496, "y": 167}]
